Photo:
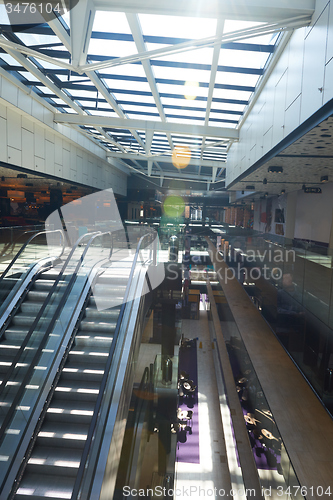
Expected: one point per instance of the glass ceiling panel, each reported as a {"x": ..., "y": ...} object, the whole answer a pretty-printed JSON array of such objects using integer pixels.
[
  {"x": 125, "y": 69},
  {"x": 227, "y": 106},
  {"x": 231, "y": 94},
  {"x": 177, "y": 26},
  {"x": 223, "y": 124},
  {"x": 135, "y": 100},
  {"x": 236, "y": 79},
  {"x": 184, "y": 74},
  {"x": 98, "y": 112},
  {"x": 9, "y": 59},
  {"x": 142, "y": 117},
  {"x": 127, "y": 82},
  {"x": 242, "y": 58},
  {"x": 34, "y": 39},
  {"x": 170, "y": 101},
  {"x": 223, "y": 116},
  {"x": 201, "y": 56},
  {"x": 180, "y": 89},
  {"x": 128, "y": 85},
  {"x": 144, "y": 109},
  {"x": 81, "y": 93},
  {"x": 28, "y": 76},
  {"x": 111, "y": 48},
  {"x": 113, "y": 22}
]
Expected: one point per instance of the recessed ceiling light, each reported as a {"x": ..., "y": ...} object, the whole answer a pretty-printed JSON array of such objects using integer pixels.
[{"x": 275, "y": 170}]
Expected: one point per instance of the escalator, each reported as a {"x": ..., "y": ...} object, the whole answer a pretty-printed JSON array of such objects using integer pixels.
[
  {"x": 52, "y": 468},
  {"x": 86, "y": 349}
]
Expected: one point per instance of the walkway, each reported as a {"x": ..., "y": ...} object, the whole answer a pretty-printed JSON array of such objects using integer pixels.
[{"x": 212, "y": 470}]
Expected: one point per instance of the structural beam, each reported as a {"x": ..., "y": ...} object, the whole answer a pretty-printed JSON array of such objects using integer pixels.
[
  {"x": 213, "y": 72},
  {"x": 82, "y": 18},
  {"x": 249, "y": 10},
  {"x": 124, "y": 123},
  {"x": 134, "y": 24},
  {"x": 233, "y": 36},
  {"x": 166, "y": 159}
]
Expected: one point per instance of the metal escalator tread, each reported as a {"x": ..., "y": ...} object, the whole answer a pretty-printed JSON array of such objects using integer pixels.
[
  {"x": 63, "y": 433},
  {"x": 17, "y": 331}
]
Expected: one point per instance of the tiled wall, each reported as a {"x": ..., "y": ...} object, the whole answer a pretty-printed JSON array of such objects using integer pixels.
[
  {"x": 301, "y": 82},
  {"x": 29, "y": 138}
]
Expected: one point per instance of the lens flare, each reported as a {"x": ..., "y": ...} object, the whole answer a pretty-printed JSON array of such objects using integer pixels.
[
  {"x": 191, "y": 90},
  {"x": 174, "y": 206},
  {"x": 181, "y": 156}
]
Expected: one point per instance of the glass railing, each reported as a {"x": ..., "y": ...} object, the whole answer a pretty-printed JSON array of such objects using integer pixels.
[
  {"x": 30, "y": 375},
  {"x": 275, "y": 470},
  {"x": 291, "y": 282},
  {"x": 12, "y": 238},
  {"x": 105, "y": 418},
  {"x": 43, "y": 247}
]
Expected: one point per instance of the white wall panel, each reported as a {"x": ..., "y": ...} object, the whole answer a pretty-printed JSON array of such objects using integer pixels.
[
  {"x": 27, "y": 124},
  {"x": 329, "y": 49},
  {"x": 49, "y": 157},
  {"x": 28, "y": 160},
  {"x": 328, "y": 82},
  {"x": 14, "y": 156},
  {"x": 305, "y": 66},
  {"x": 309, "y": 222},
  {"x": 8, "y": 92},
  {"x": 90, "y": 173},
  {"x": 58, "y": 169},
  {"x": 66, "y": 161},
  {"x": 79, "y": 168},
  {"x": 14, "y": 129},
  {"x": 39, "y": 164},
  {"x": 3, "y": 140},
  {"x": 3, "y": 111},
  {"x": 28, "y": 135},
  {"x": 24, "y": 101},
  {"x": 295, "y": 67},
  {"x": 58, "y": 150},
  {"x": 267, "y": 141},
  {"x": 39, "y": 140},
  {"x": 279, "y": 108},
  {"x": 37, "y": 110},
  {"x": 292, "y": 116},
  {"x": 313, "y": 69},
  {"x": 49, "y": 136}
]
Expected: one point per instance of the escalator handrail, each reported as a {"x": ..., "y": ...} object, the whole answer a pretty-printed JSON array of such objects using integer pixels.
[
  {"x": 12, "y": 409},
  {"x": 22, "y": 249},
  {"x": 139, "y": 405},
  {"x": 93, "y": 423},
  {"x": 38, "y": 316},
  {"x": 13, "y": 243},
  {"x": 41, "y": 346}
]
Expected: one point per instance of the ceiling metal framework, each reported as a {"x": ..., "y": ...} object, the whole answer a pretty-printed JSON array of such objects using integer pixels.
[{"x": 122, "y": 73}]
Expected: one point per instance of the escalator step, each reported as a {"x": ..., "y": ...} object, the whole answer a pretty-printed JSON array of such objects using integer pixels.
[
  {"x": 107, "y": 315},
  {"x": 66, "y": 435},
  {"x": 79, "y": 412},
  {"x": 37, "y": 487},
  {"x": 22, "y": 320},
  {"x": 85, "y": 357},
  {"x": 105, "y": 303},
  {"x": 103, "y": 341},
  {"x": 46, "y": 285},
  {"x": 97, "y": 327},
  {"x": 74, "y": 372}
]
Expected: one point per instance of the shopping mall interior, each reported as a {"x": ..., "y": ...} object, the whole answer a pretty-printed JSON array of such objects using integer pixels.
[{"x": 166, "y": 246}]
